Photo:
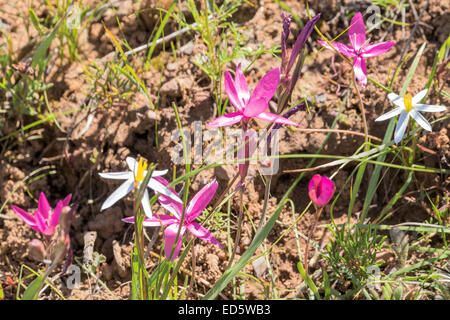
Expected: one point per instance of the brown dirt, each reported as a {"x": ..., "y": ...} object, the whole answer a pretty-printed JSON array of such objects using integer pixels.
[{"x": 127, "y": 129}]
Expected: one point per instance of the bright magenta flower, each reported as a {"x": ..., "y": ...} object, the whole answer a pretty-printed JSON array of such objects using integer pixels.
[
  {"x": 321, "y": 189},
  {"x": 359, "y": 49},
  {"x": 172, "y": 223},
  {"x": 250, "y": 105},
  {"x": 43, "y": 220}
]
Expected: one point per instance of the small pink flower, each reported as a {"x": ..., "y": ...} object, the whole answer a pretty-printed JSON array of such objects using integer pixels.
[
  {"x": 359, "y": 49},
  {"x": 321, "y": 189},
  {"x": 172, "y": 223},
  {"x": 43, "y": 220},
  {"x": 250, "y": 105}
]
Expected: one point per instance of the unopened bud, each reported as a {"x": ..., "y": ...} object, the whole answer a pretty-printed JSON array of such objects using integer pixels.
[{"x": 36, "y": 250}]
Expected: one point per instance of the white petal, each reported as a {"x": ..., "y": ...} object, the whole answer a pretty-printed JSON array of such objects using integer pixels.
[
  {"x": 124, "y": 189},
  {"x": 116, "y": 175},
  {"x": 401, "y": 126},
  {"x": 146, "y": 204},
  {"x": 158, "y": 173},
  {"x": 429, "y": 108},
  {"x": 420, "y": 120},
  {"x": 418, "y": 97},
  {"x": 132, "y": 164},
  {"x": 397, "y": 100},
  {"x": 160, "y": 188},
  {"x": 389, "y": 114}
]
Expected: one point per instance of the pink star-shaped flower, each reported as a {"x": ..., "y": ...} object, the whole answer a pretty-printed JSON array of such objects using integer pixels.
[{"x": 359, "y": 49}]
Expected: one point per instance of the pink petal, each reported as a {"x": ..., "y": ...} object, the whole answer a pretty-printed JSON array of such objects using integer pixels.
[
  {"x": 199, "y": 202},
  {"x": 267, "y": 86},
  {"x": 374, "y": 50},
  {"x": 241, "y": 86},
  {"x": 170, "y": 234},
  {"x": 320, "y": 190},
  {"x": 255, "y": 107},
  {"x": 44, "y": 206},
  {"x": 42, "y": 225},
  {"x": 342, "y": 48},
  {"x": 66, "y": 200},
  {"x": 231, "y": 91},
  {"x": 267, "y": 116},
  {"x": 357, "y": 31},
  {"x": 226, "y": 120},
  {"x": 201, "y": 233},
  {"x": 168, "y": 203},
  {"x": 25, "y": 216},
  {"x": 359, "y": 67},
  {"x": 155, "y": 221},
  {"x": 54, "y": 219}
]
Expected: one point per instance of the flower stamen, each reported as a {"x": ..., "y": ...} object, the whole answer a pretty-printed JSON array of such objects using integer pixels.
[
  {"x": 408, "y": 102},
  {"x": 142, "y": 166}
]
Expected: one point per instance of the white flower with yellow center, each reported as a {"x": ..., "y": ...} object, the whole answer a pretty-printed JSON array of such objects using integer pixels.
[
  {"x": 134, "y": 179},
  {"x": 409, "y": 107}
]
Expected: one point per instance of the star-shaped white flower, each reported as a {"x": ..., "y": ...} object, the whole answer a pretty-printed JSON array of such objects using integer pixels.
[
  {"x": 409, "y": 107},
  {"x": 133, "y": 180}
]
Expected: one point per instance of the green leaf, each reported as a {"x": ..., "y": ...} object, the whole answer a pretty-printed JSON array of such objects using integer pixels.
[{"x": 32, "y": 292}]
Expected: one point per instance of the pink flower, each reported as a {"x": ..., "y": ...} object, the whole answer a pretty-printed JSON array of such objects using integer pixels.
[
  {"x": 250, "y": 105},
  {"x": 172, "y": 223},
  {"x": 359, "y": 49},
  {"x": 43, "y": 220},
  {"x": 321, "y": 190}
]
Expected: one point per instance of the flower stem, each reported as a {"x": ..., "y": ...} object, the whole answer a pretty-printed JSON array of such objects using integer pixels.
[{"x": 310, "y": 234}]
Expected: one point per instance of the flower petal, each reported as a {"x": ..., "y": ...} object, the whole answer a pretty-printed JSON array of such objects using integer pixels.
[
  {"x": 170, "y": 205},
  {"x": 373, "y": 50},
  {"x": 397, "y": 100},
  {"x": 389, "y": 114},
  {"x": 146, "y": 204},
  {"x": 116, "y": 175},
  {"x": 170, "y": 234},
  {"x": 267, "y": 86},
  {"x": 401, "y": 126},
  {"x": 429, "y": 108},
  {"x": 357, "y": 31},
  {"x": 156, "y": 221},
  {"x": 267, "y": 116},
  {"x": 158, "y": 173},
  {"x": 255, "y": 107},
  {"x": 42, "y": 225},
  {"x": 54, "y": 219},
  {"x": 160, "y": 188},
  {"x": 124, "y": 189},
  {"x": 44, "y": 206},
  {"x": 25, "y": 216},
  {"x": 226, "y": 120},
  {"x": 132, "y": 164},
  {"x": 241, "y": 86},
  {"x": 199, "y": 202},
  {"x": 340, "y": 47},
  {"x": 419, "y": 96},
  {"x": 66, "y": 200},
  {"x": 232, "y": 93},
  {"x": 359, "y": 67},
  {"x": 420, "y": 120},
  {"x": 201, "y": 233}
]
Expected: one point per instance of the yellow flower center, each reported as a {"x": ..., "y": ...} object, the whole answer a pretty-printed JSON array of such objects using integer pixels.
[
  {"x": 142, "y": 166},
  {"x": 408, "y": 102}
]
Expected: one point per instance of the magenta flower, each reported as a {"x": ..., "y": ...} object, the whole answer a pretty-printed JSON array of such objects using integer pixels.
[
  {"x": 172, "y": 223},
  {"x": 43, "y": 220},
  {"x": 250, "y": 105},
  {"x": 321, "y": 190},
  {"x": 359, "y": 49}
]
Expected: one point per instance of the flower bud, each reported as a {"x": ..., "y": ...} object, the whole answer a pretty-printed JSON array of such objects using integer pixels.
[{"x": 321, "y": 189}]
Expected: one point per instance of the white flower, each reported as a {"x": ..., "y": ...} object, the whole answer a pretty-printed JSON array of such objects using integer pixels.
[
  {"x": 409, "y": 107},
  {"x": 133, "y": 180}
]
